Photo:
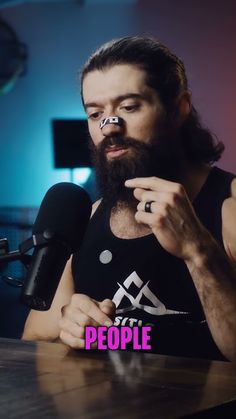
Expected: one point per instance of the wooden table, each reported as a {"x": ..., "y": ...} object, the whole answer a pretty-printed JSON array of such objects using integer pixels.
[{"x": 47, "y": 380}]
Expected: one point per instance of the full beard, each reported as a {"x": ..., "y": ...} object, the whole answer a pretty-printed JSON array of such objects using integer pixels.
[{"x": 160, "y": 158}]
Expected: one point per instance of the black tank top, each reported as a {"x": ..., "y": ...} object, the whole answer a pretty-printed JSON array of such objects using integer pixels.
[{"x": 147, "y": 284}]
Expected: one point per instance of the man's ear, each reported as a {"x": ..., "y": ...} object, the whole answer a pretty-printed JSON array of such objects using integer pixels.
[{"x": 184, "y": 106}]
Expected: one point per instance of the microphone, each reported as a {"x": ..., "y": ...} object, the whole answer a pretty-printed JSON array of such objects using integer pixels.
[{"x": 58, "y": 231}]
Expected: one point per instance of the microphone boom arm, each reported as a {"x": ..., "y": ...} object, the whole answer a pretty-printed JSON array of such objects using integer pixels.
[{"x": 36, "y": 241}]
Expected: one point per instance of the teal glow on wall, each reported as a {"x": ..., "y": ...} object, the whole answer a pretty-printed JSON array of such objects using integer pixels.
[
  {"x": 60, "y": 37},
  {"x": 80, "y": 176}
]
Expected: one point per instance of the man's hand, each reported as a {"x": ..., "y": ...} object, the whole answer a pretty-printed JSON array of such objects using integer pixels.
[
  {"x": 83, "y": 311},
  {"x": 172, "y": 217}
]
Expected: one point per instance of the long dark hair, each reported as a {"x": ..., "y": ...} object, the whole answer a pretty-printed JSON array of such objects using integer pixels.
[{"x": 166, "y": 74}]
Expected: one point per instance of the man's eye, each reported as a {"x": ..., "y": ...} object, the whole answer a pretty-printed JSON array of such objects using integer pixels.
[
  {"x": 94, "y": 115},
  {"x": 130, "y": 108}
]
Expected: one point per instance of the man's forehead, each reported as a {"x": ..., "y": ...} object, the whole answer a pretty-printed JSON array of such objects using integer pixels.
[{"x": 116, "y": 81}]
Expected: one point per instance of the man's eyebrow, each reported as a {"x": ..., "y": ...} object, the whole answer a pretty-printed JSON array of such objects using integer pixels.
[{"x": 116, "y": 99}]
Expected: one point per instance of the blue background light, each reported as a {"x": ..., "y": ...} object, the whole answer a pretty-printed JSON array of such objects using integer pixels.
[{"x": 61, "y": 35}]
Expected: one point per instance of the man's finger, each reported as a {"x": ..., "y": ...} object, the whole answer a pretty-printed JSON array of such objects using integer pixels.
[
  {"x": 90, "y": 308},
  {"x": 153, "y": 183},
  {"x": 143, "y": 195},
  {"x": 108, "y": 307},
  {"x": 72, "y": 341}
]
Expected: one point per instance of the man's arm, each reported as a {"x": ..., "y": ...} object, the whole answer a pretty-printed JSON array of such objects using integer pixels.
[
  {"x": 44, "y": 325},
  {"x": 179, "y": 231},
  {"x": 69, "y": 314},
  {"x": 214, "y": 275}
]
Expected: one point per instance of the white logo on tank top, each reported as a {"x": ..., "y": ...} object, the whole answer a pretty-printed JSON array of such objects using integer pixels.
[{"x": 156, "y": 307}]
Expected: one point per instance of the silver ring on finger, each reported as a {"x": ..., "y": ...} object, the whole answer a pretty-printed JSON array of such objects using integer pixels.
[{"x": 148, "y": 206}]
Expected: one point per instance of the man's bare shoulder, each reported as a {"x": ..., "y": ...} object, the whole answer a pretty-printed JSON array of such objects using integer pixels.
[
  {"x": 228, "y": 222},
  {"x": 233, "y": 188}
]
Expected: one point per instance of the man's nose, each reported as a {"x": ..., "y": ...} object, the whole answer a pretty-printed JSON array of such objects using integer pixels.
[{"x": 112, "y": 126}]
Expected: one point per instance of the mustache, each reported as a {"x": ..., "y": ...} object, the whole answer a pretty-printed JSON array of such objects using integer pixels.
[{"x": 119, "y": 142}]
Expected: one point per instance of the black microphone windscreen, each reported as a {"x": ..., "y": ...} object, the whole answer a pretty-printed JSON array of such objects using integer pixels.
[
  {"x": 65, "y": 210},
  {"x": 62, "y": 219}
]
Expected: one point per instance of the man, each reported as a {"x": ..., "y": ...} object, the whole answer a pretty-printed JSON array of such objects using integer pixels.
[{"x": 160, "y": 248}]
